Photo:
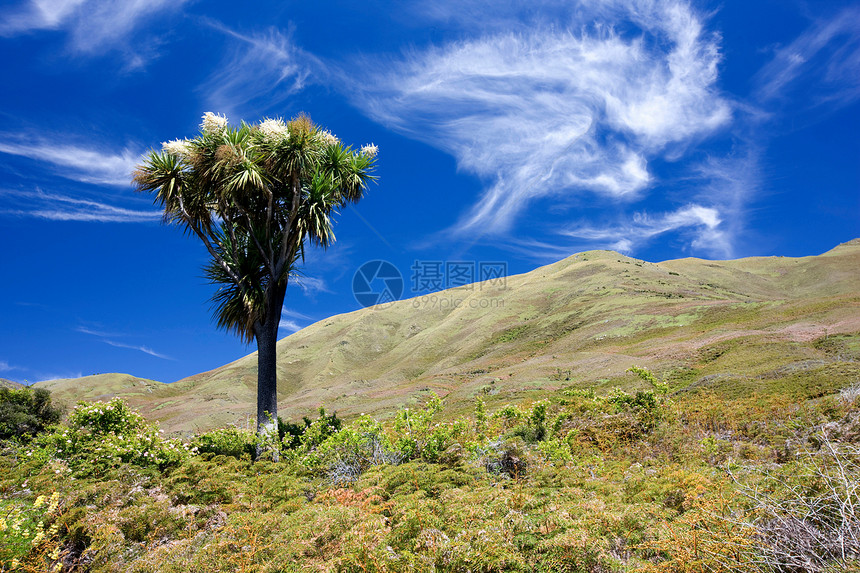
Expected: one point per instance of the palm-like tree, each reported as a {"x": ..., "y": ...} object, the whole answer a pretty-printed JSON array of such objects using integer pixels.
[{"x": 256, "y": 196}]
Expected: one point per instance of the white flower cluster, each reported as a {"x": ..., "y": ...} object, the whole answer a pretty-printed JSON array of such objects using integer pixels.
[
  {"x": 212, "y": 122},
  {"x": 327, "y": 137},
  {"x": 178, "y": 147},
  {"x": 274, "y": 130},
  {"x": 369, "y": 150}
]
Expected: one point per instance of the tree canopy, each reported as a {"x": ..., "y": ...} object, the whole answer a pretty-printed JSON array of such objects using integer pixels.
[
  {"x": 256, "y": 195},
  {"x": 24, "y": 412}
]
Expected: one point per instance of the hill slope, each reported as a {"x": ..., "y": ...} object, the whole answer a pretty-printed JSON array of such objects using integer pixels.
[
  {"x": 99, "y": 387},
  {"x": 731, "y": 326},
  {"x": 9, "y": 384}
]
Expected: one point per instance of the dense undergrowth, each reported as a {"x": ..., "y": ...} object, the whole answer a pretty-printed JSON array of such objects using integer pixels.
[{"x": 651, "y": 482}]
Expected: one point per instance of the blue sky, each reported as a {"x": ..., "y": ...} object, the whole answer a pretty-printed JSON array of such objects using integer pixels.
[{"x": 509, "y": 132}]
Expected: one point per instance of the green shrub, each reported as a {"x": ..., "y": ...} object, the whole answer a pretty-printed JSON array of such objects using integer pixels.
[
  {"x": 413, "y": 431},
  {"x": 509, "y": 414},
  {"x": 205, "y": 482},
  {"x": 312, "y": 434},
  {"x": 555, "y": 450},
  {"x": 538, "y": 421},
  {"x": 480, "y": 417},
  {"x": 416, "y": 438},
  {"x": 25, "y": 412},
  {"x": 649, "y": 407},
  {"x": 345, "y": 455},
  {"x": 661, "y": 387},
  {"x": 100, "y": 436},
  {"x": 231, "y": 441},
  {"x": 533, "y": 427},
  {"x": 290, "y": 433}
]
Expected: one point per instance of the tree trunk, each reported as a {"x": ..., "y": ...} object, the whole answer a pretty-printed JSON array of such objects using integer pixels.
[{"x": 267, "y": 374}]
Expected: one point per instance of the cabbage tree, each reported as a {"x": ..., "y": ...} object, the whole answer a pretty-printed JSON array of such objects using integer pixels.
[{"x": 256, "y": 195}]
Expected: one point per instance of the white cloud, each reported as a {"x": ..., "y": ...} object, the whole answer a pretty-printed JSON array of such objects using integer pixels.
[
  {"x": 93, "y": 25},
  {"x": 290, "y": 325},
  {"x": 622, "y": 246},
  {"x": 38, "y": 15},
  {"x": 83, "y": 164},
  {"x": 140, "y": 348},
  {"x": 57, "y": 207},
  {"x": 729, "y": 184},
  {"x": 552, "y": 112},
  {"x": 99, "y": 333},
  {"x": 108, "y": 338},
  {"x": 311, "y": 285},
  {"x": 261, "y": 69},
  {"x": 287, "y": 322},
  {"x": 6, "y": 367},
  {"x": 46, "y": 376},
  {"x": 701, "y": 224},
  {"x": 826, "y": 55},
  {"x": 293, "y": 314}
]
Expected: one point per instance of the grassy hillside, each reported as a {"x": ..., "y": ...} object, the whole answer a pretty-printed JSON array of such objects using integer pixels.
[
  {"x": 8, "y": 384},
  {"x": 67, "y": 391},
  {"x": 733, "y": 327}
]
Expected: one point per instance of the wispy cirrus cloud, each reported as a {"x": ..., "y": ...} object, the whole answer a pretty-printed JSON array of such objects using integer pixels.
[
  {"x": 260, "y": 69},
  {"x": 558, "y": 111},
  {"x": 290, "y": 325},
  {"x": 45, "y": 376},
  {"x": 294, "y": 314},
  {"x": 84, "y": 164},
  {"x": 718, "y": 190},
  {"x": 92, "y": 25},
  {"x": 825, "y": 59},
  {"x": 58, "y": 207},
  {"x": 110, "y": 339},
  {"x": 38, "y": 15},
  {"x": 701, "y": 224},
  {"x": 94, "y": 332},
  {"x": 311, "y": 285},
  {"x": 290, "y": 318},
  {"x": 6, "y": 367},
  {"x": 140, "y": 348}
]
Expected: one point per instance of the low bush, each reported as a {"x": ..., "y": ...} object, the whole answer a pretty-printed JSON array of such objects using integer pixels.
[
  {"x": 232, "y": 441},
  {"x": 650, "y": 407},
  {"x": 25, "y": 412},
  {"x": 504, "y": 457},
  {"x": 532, "y": 427},
  {"x": 309, "y": 434},
  {"x": 345, "y": 455},
  {"x": 99, "y": 436}
]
